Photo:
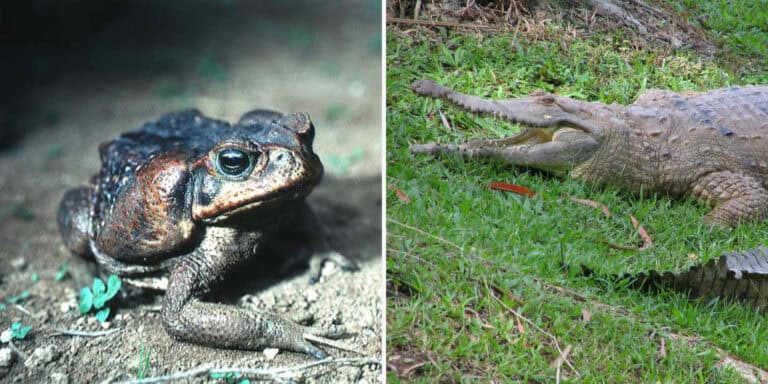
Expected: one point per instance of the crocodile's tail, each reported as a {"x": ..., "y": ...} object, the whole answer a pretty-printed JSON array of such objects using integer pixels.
[{"x": 741, "y": 275}]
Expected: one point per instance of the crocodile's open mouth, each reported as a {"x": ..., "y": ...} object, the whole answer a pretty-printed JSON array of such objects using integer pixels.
[
  {"x": 557, "y": 149},
  {"x": 530, "y": 136}
]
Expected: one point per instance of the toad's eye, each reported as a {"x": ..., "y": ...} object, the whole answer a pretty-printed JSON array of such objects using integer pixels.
[{"x": 234, "y": 162}]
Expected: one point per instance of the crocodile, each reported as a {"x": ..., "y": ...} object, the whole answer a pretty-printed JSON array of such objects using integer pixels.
[
  {"x": 712, "y": 146},
  {"x": 738, "y": 275}
]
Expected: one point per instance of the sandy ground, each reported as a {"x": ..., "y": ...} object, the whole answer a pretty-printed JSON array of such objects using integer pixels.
[{"x": 331, "y": 70}]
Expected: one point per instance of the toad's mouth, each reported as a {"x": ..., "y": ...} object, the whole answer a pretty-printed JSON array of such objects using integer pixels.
[
  {"x": 267, "y": 202},
  {"x": 249, "y": 200}
]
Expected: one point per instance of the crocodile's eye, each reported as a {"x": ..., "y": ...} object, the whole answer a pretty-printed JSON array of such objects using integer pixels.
[{"x": 235, "y": 162}]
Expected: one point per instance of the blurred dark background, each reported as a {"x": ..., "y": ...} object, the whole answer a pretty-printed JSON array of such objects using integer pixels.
[{"x": 42, "y": 41}]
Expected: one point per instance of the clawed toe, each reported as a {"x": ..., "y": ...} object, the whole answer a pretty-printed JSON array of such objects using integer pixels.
[
  {"x": 305, "y": 346},
  {"x": 332, "y": 332},
  {"x": 313, "y": 351}
]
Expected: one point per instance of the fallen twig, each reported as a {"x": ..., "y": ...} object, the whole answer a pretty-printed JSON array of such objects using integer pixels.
[
  {"x": 275, "y": 374},
  {"x": 559, "y": 361},
  {"x": 412, "y": 228},
  {"x": 449, "y": 24},
  {"x": 407, "y": 371},
  {"x": 69, "y": 332},
  {"x": 445, "y": 121}
]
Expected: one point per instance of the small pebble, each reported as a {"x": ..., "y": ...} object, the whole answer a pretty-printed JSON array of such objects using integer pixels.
[
  {"x": 270, "y": 353},
  {"x": 311, "y": 296},
  {"x": 6, "y": 357},
  {"x": 5, "y": 336},
  {"x": 59, "y": 378},
  {"x": 106, "y": 325},
  {"x": 67, "y": 306},
  {"x": 43, "y": 355},
  {"x": 367, "y": 318},
  {"x": 337, "y": 317},
  {"x": 19, "y": 263}
]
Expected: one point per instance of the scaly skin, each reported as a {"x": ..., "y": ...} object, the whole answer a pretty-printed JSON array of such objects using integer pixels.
[
  {"x": 733, "y": 275},
  {"x": 712, "y": 146}
]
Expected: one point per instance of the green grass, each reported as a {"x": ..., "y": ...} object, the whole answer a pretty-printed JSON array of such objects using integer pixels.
[
  {"x": 457, "y": 246},
  {"x": 739, "y": 26}
]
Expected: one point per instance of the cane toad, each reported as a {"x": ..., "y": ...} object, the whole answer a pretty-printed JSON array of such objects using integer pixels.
[{"x": 192, "y": 198}]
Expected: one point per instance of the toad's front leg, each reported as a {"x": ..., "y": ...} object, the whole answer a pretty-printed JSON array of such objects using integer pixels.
[{"x": 188, "y": 318}]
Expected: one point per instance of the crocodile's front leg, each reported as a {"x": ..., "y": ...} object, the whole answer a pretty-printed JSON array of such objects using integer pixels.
[
  {"x": 188, "y": 318},
  {"x": 737, "y": 198}
]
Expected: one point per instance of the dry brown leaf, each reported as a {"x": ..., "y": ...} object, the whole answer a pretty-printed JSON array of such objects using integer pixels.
[
  {"x": 593, "y": 204},
  {"x": 663, "y": 348},
  {"x": 647, "y": 242},
  {"x": 402, "y": 196},
  {"x": 586, "y": 315},
  {"x": 563, "y": 356},
  {"x": 511, "y": 188},
  {"x": 520, "y": 327}
]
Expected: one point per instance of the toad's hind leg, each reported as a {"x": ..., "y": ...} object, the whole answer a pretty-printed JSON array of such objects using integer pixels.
[
  {"x": 74, "y": 220},
  {"x": 188, "y": 318}
]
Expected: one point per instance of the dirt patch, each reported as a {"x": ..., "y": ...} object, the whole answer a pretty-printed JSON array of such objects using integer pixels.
[
  {"x": 406, "y": 362},
  {"x": 642, "y": 24},
  {"x": 324, "y": 60}
]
